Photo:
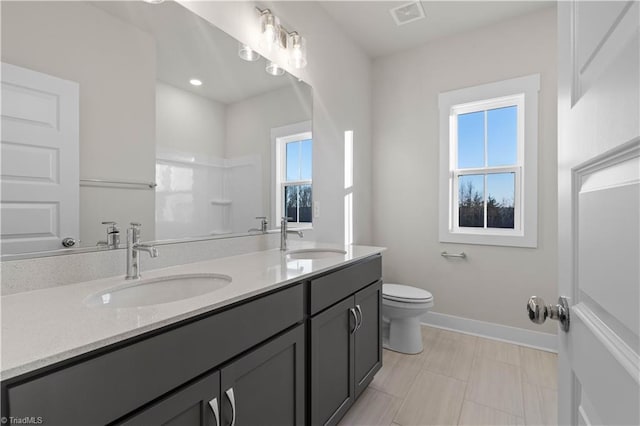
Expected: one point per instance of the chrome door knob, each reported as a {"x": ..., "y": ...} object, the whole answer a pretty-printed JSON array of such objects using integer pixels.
[
  {"x": 539, "y": 312},
  {"x": 68, "y": 242}
]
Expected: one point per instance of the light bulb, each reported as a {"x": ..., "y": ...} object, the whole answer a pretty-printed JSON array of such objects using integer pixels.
[
  {"x": 298, "y": 51},
  {"x": 270, "y": 25}
]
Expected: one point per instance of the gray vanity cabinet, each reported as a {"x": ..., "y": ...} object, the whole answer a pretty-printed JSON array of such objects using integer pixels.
[
  {"x": 332, "y": 363},
  {"x": 168, "y": 377},
  {"x": 191, "y": 406},
  {"x": 263, "y": 387},
  {"x": 345, "y": 343},
  {"x": 368, "y": 336},
  {"x": 267, "y": 386}
]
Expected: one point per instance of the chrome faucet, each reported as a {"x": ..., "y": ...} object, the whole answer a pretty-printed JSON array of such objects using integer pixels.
[
  {"x": 263, "y": 225},
  {"x": 113, "y": 236},
  {"x": 133, "y": 248},
  {"x": 284, "y": 232}
]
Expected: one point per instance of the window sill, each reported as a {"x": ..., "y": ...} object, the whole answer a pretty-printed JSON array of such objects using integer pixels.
[{"x": 497, "y": 239}]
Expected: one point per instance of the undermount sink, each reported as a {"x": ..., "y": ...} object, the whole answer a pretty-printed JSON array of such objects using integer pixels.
[
  {"x": 154, "y": 291},
  {"x": 315, "y": 253}
]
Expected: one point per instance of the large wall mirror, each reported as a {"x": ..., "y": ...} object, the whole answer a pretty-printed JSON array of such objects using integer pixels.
[{"x": 102, "y": 122}]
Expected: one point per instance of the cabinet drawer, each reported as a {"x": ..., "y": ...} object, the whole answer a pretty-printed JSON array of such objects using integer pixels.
[
  {"x": 104, "y": 388},
  {"x": 333, "y": 287}
]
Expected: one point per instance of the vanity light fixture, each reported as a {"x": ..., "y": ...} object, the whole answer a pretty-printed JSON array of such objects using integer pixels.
[
  {"x": 274, "y": 69},
  {"x": 274, "y": 34},
  {"x": 195, "y": 82},
  {"x": 154, "y": 1},
  {"x": 247, "y": 53}
]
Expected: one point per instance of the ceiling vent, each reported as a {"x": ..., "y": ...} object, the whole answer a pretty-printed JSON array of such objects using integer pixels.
[{"x": 407, "y": 13}]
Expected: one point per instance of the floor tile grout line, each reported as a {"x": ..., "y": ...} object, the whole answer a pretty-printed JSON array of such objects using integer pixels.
[
  {"x": 493, "y": 408},
  {"x": 464, "y": 398},
  {"x": 521, "y": 387}
]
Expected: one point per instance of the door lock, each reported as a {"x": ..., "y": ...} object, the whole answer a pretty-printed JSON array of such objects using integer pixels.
[{"x": 539, "y": 312}]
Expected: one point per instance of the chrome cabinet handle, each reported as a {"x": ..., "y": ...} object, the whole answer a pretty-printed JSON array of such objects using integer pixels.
[
  {"x": 214, "y": 407},
  {"x": 360, "y": 312},
  {"x": 355, "y": 318},
  {"x": 232, "y": 400}
]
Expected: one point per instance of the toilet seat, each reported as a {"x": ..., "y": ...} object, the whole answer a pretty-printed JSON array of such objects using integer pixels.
[{"x": 405, "y": 294}]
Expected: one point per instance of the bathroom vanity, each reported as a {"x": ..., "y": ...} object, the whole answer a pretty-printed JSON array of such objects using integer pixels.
[{"x": 297, "y": 346}]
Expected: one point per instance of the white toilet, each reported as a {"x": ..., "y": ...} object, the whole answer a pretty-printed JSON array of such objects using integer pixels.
[{"x": 402, "y": 306}]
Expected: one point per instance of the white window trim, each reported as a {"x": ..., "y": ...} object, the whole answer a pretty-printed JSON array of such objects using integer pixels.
[
  {"x": 526, "y": 232},
  {"x": 279, "y": 137}
]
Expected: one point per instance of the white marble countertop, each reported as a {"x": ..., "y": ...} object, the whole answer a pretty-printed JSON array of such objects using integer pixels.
[{"x": 43, "y": 327}]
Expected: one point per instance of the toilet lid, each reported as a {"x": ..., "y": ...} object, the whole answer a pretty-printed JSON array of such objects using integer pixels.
[{"x": 405, "y": 293}]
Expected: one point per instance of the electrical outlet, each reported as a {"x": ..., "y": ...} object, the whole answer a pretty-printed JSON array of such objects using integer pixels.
[{"x": 316, "y": 209}]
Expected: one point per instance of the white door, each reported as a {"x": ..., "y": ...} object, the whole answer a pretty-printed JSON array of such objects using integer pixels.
[
  {"x": 599, "y": 211},
  {"x": 39, "y": 174}
]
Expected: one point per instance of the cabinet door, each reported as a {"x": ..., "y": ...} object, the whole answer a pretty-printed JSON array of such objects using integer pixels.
[
  {"x": 195, "y": 405},
  {"x": 368, "y": 336},
  {"x": 332, "y": 358},
  {"x": 267, "y": 385}
]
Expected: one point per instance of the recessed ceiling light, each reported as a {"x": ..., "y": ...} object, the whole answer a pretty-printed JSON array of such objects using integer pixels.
[
  {"x": 247, "y": 53},
  {"x": 408, "y": 12},
  {"x": 195, "y": 82},
  {"x": 274, "y": 69}
]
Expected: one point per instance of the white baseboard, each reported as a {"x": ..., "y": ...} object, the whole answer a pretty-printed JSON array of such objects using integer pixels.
[{"x": 519, "y": 336}]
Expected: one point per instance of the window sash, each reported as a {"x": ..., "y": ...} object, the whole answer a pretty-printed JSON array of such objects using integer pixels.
[
  {"x": 284, "y": 200},
  {"x": 486, "y": 171},
  {"x": 480, "y": 106}
]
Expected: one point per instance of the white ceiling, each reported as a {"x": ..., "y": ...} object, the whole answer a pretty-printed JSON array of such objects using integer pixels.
[
  {"x": 189, "y": 47},
  {"x": 371, "y": 26}
]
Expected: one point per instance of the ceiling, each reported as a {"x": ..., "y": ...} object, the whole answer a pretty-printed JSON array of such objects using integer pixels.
[
  {"x": 371, "y": 26},
  {"x": 188, "y": 46}
]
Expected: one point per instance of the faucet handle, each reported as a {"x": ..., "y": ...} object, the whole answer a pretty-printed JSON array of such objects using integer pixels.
[
  {"x": 111, "y": 226},
  {"x": 135, "y": 232}
]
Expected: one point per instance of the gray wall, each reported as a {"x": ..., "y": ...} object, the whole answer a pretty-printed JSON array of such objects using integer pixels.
[
  {"x": 493, "y": 283},
  {"x": 249, "y": 124},
  {"x": 187, "y": 122}
]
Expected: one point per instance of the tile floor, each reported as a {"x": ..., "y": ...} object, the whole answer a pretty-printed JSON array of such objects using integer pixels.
[{"x": 460, "y": 380}]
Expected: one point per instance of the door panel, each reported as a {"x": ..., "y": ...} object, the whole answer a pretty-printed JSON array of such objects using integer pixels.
[
  {"x": 368, "y": 337},
  {"x": 608, "y": 228},
  {"x": 599, "y": 206},
  {"x": 40, "y": 149},
  {"x": 267, "y": 385},
  {"x": 612, "y": 395},
  {"x": 332, "y": 363}
]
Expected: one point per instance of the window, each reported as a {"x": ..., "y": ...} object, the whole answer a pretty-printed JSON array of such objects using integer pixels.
[
  {"x": 488, "y": 164},
  {"x": 293, "y": 159}
]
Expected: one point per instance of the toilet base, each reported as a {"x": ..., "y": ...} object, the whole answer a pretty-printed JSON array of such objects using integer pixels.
[{"x": 404, "y": 336}]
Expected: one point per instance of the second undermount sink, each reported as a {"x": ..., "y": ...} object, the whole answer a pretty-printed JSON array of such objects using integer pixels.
[
  {"x": 315, "y": 253},
  {"x": 154, "y": 291}
]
